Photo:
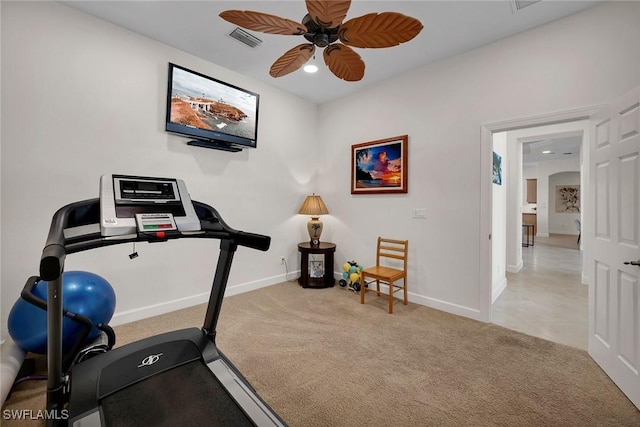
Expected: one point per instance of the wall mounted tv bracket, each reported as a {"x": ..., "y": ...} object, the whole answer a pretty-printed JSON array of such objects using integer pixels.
[{"x": 131, "y": 204}]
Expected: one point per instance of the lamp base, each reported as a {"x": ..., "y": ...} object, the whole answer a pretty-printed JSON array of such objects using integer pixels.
[{"x": 314, "y": 227}]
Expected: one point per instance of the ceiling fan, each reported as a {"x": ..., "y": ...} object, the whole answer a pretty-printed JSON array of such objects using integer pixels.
[{"x": 323, "y": 27}]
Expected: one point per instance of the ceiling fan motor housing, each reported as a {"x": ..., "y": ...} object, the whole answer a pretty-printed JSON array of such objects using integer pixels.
[
  {"x": 319, "y": 36},
  {"x": 321, "y": 40}
]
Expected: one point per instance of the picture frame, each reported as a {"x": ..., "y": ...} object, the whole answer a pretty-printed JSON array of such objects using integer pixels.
[
  {"x": 567, "y": 199},
  {"x": 380, "y": 167},
  {"x": 497, "y": 168},
  {"x": 316, "y": 269}
]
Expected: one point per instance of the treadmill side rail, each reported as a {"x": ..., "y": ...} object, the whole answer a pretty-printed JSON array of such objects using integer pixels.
[
  {"x": 90, "y": 420},
  {"x": 243, "y": 395}
]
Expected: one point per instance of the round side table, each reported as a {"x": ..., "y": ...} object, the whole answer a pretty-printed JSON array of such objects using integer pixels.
[{"x": 323, "y": 277}]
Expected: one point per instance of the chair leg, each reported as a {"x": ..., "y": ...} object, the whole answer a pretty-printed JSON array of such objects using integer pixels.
[
  {"x": 378, "y": 287},
  {"x": 362, "y": 289},
  {"x": 390, "y": 297},
  {"x": 406, "y": 301}
]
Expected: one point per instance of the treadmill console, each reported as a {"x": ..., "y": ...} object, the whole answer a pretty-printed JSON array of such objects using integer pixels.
[
  {"x": 131, "y": 190},
  {"x": 131, "y": 204}
]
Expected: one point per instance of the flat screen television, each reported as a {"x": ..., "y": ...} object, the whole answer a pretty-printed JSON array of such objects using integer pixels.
[{"x": 216, "y": 114}]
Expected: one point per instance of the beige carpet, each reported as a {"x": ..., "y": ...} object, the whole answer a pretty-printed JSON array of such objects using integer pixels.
[{"x": 319, "y": 358}]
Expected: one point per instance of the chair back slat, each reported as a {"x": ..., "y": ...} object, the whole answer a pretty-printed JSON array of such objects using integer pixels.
[
  {"x": 392, "y": 256},
  {"x": 391, "y": 248}
]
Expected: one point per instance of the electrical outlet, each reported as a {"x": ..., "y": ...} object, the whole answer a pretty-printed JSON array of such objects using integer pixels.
[{"x": 282, "y": 259}]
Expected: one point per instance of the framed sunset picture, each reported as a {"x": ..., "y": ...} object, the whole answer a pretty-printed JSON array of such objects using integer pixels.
[{"x": 379, "y": 166}]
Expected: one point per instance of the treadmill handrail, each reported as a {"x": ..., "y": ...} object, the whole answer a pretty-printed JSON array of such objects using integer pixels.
[{"x": 86, "y": 212}]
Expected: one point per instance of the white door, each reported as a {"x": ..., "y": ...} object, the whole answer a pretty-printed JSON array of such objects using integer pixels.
[{"x": 614, "y": 298}]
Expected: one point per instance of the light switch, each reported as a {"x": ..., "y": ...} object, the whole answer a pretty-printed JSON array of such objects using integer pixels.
[{"x": 420, "y": 213}]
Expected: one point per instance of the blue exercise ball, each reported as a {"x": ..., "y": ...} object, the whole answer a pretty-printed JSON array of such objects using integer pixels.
[{"x": 83, "y": 293}]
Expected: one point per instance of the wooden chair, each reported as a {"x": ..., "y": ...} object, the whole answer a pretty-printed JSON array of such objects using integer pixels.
[{"x": 387, "y": 248}]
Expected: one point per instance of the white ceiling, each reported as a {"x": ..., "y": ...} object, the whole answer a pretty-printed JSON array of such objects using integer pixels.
[
  {"x": 559, "y": 148},
  {"x": 450, "y": 28}
]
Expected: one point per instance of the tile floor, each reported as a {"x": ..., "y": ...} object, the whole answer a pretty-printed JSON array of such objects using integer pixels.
[{"x": 546, "y": 299}]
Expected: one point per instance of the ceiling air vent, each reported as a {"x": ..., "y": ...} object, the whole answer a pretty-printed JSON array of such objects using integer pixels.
[
  {"x": 244, "y": 37},
  {"x": 517, "y": 5}
]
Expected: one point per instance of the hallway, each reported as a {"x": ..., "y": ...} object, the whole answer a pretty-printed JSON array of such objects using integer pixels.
[{"x": 546, "y": 299}]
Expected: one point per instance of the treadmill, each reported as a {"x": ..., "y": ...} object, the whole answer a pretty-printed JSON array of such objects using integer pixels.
[{"x": 172, "y": 379}]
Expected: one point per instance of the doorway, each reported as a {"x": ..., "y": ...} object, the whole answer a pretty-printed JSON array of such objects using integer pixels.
[
  {"x": 531, "y": 262},
  {"x": 543, "y": 294}
]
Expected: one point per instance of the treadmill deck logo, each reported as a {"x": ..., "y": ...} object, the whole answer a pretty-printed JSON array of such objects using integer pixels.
[{"x": 150, "y": 360}]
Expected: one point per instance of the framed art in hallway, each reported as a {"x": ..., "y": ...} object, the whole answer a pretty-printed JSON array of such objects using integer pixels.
[
  {"x": 497, "y": 168},
  {"x": 567, "y": 199},
  {"x": 380, "y": 166}
]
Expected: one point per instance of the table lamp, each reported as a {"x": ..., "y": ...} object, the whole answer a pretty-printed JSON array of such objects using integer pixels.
[{"x": 314, "y": 206}]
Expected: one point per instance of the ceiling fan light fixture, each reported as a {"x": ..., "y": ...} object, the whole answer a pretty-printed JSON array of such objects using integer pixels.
[{"x": 310, "y": 68}]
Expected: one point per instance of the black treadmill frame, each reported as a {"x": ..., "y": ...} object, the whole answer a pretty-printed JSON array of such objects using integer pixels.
[{"x": 75, "y": 228}]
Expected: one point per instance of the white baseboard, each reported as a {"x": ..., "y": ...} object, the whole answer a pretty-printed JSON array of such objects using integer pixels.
[
  {"x": 497, "y": 290},
  {"x": 515, "y": 268},
  {"x": 190, "y": 301},
  {"x": 459, "y": 310},
  {"x": 256, "y": 284},
  {"x": 564, "y": 232}
]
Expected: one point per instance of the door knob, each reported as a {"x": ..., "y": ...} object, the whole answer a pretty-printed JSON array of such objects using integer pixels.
[{"x": 636, "y": 263}]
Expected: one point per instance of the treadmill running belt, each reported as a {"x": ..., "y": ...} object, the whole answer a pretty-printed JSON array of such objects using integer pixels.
[{"x": 188, "y": 395}]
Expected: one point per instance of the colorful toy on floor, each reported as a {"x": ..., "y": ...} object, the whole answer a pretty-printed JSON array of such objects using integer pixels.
[{"x": 351, "y": 276}]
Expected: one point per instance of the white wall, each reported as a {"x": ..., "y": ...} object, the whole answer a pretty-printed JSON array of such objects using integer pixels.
[
  {"x": 82, "y": 98},
  {"x": 499, "y": 220},
  {"x": 583, "y": 60},
  {"x": 513, "y": 203}
]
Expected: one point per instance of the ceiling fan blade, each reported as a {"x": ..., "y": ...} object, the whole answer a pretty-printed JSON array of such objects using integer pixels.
[
  {"x": 263, "y": 22},
  {"x": 328, "y": 13},
  {"x": 379, "y": 30},
  {"x": 344, "y": 62},
  {"x": 292, "y": 60}
]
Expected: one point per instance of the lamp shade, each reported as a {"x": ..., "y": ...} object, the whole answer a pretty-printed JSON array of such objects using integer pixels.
[{"x": 314, "y": 206}]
